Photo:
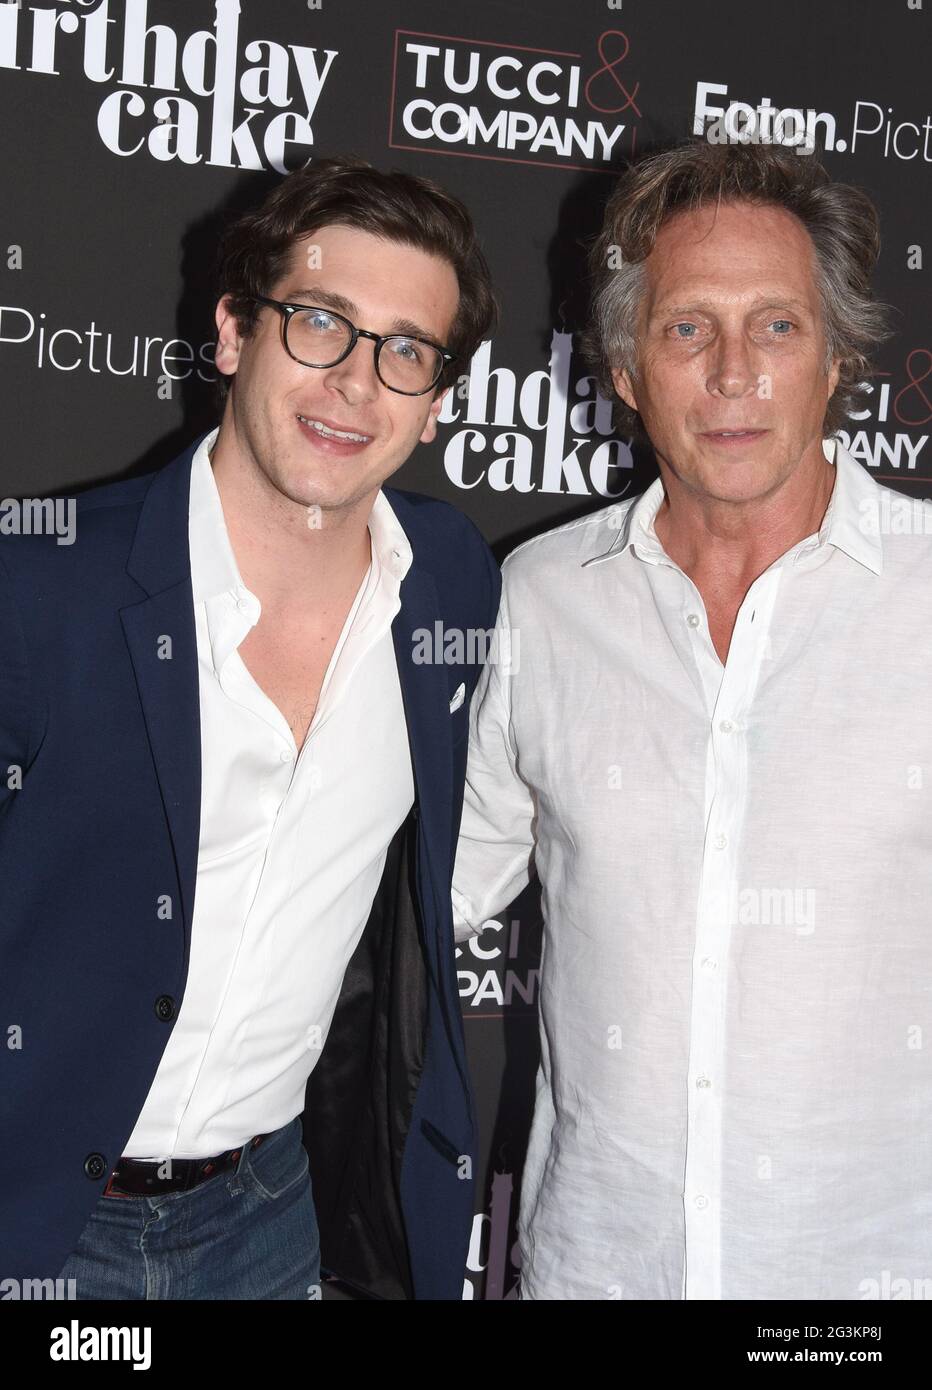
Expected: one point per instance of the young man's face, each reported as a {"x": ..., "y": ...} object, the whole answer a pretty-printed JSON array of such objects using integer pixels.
[
  {"x": 381, "y": 285},
  {"x": 731, "y": 340}
]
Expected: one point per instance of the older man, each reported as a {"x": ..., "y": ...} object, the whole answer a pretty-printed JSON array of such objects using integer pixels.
[{"x": 717, "y": 750}]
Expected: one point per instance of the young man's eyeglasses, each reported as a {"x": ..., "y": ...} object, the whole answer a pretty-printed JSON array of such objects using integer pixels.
[{"x": 318, "y": 337}]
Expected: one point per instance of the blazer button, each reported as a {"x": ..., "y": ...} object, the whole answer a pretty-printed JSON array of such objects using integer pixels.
[
  {"x": 95, "y": 1165},
  {"x": 165, "y": 1008}
]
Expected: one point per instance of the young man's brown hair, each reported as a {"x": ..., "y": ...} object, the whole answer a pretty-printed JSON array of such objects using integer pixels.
[{"x": 347, "y": 191}]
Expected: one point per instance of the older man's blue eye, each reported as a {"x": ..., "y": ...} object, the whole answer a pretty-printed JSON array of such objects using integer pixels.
[
  {"x": 690, "y": 326},
  {"x": 785, "y": 323}
]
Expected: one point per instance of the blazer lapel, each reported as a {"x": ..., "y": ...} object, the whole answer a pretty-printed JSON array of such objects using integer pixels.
[
  {"x": 426, "y": 694},
  {"x": 424, "y": 688},
  {"x": 162, "y": 645}
]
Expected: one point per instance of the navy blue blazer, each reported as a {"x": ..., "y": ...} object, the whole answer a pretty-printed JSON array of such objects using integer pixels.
[{"x": 99, "y": 821}]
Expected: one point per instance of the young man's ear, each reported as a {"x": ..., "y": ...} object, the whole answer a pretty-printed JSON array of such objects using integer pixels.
[
  {"x": 429, "y": 432},
  {"x": 229, "y": 341},
  {"x": 621, "y": 381}
]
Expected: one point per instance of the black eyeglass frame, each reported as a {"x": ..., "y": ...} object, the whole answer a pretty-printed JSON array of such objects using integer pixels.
[{"x": 288, "y": 310}]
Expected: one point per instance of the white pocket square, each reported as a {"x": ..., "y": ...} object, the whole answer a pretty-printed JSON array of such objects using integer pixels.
[{"x": 459, "y": 697}]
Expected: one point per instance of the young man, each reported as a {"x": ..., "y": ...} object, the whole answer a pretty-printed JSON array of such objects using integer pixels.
[
  {"x": 733, "y": 1099},
  {"x": 231, "y": 796}
]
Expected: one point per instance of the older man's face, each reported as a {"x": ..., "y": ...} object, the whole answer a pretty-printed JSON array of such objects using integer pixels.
[{"x": 731, "y": 381}]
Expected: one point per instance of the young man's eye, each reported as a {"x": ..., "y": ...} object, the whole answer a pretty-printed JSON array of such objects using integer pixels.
[
  {"x": 320, "y": 321},
  {"x": 405, "y": 349}
]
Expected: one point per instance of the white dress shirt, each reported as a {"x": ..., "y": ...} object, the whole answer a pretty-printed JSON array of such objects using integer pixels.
[
  {"x": 734, "y": 1097},
  {"x": 291, "y": 849}
]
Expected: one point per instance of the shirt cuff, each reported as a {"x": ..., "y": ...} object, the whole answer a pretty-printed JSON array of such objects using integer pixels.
[{"x": 463, "y": 917}]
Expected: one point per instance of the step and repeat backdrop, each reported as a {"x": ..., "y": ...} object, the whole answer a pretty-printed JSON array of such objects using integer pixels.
[{"x": 133, "y": 128}]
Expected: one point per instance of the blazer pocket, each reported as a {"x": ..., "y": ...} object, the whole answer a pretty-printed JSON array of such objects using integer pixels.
[{"x": 440, "y": 1142}]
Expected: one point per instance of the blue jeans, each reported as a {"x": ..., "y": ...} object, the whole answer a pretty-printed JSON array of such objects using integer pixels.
[{"x": 248, "y": 1233}]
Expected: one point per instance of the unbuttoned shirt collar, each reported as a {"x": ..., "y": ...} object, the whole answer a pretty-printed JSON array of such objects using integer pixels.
[
  {"x": 232, "y": 608},
  {"x": 846, "y": 525}
]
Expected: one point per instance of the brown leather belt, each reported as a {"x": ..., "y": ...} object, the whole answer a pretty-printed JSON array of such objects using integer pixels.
[{"x": 140, "y": 1177}]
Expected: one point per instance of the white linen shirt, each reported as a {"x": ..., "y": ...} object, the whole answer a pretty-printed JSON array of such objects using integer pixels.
[
  {"x": 734, "y": 1097},
  {"x": 291, "y": 848}
]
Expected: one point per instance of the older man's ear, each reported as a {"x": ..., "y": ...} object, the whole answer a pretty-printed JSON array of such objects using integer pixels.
[{"x": 622, "y": 383}]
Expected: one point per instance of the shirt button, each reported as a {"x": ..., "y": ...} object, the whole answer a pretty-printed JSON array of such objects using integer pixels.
[
  {"x": 703, "y": 1083},
  {"x": 726, "y": 726},
  {"x": 693, "y": 620},
  {"x": 701, "y": 1202},
  {"x": 285, "y": 757},
  {"x": 709, "y": 963},
  {"x": 721, "y": 841}
]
